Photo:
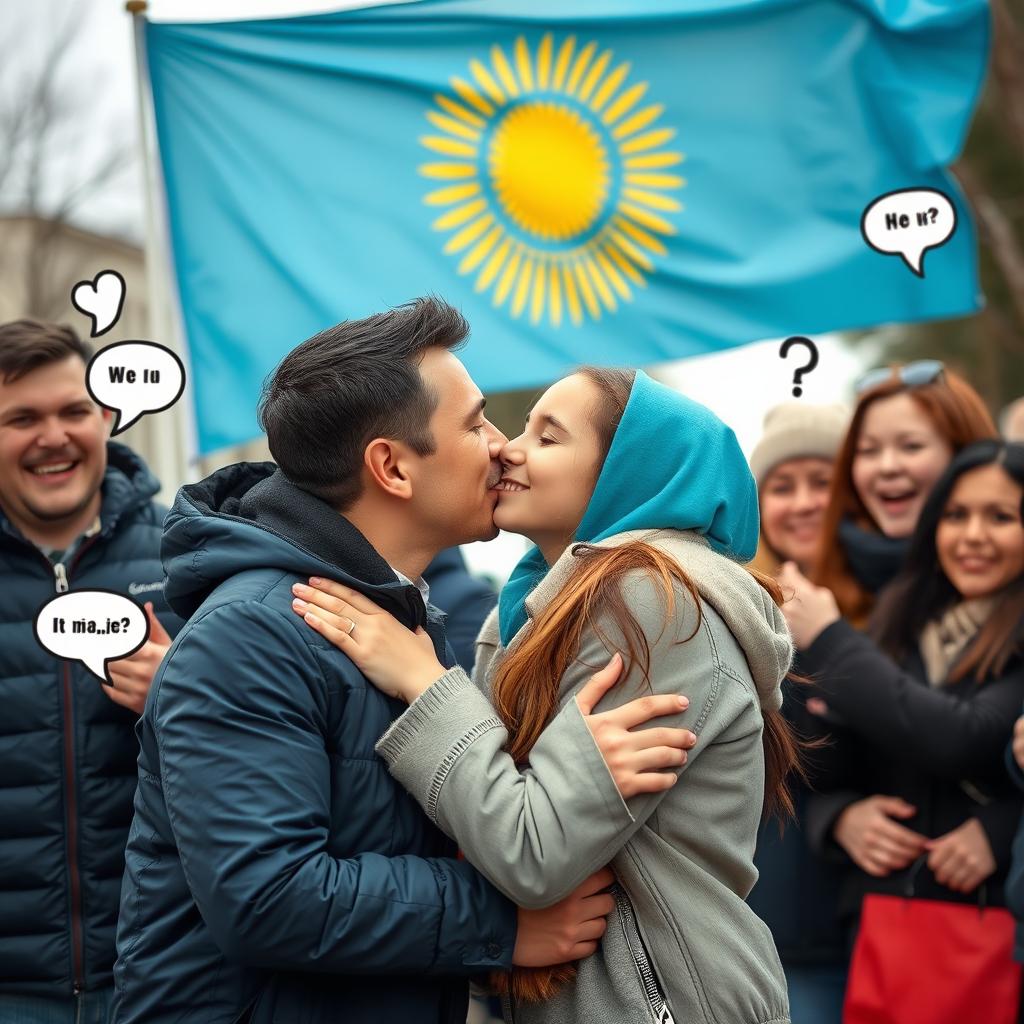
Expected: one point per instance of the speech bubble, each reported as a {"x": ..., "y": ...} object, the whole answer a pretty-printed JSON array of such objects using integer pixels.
[
  {"x": 909, "y": 222},
  {"x": 101, "y": 299},
  {"x": 91, "y": 626},
  {"x": 134, "y": 378}
]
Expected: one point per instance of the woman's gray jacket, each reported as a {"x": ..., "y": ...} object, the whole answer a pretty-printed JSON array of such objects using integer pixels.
[{"x": 684, "y": 946}]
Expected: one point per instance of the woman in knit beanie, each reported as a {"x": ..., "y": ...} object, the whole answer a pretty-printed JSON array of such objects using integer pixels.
[
  {"x": 797, "y": 895},
  {"x": 792, "y": 465}
]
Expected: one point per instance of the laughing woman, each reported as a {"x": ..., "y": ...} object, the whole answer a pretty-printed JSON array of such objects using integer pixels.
[{"x": 640, "y": 505}]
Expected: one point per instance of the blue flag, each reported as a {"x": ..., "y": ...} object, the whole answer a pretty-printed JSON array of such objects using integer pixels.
[{"x": 608, "y": 181}]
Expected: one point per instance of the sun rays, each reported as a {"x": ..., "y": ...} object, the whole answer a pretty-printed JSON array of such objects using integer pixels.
[{"x": 551, "y": 178}]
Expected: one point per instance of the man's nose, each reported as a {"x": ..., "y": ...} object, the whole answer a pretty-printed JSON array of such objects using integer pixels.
[
  {"x": 51, "y": 433},
  {"x": 496, "y": 442}
]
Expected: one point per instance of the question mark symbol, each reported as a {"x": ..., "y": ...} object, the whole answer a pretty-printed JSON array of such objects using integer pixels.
[
  {"x": 934, "y": 213},
  {"x": 125, "y": 623},
  {"x": 798, "y": 374}
]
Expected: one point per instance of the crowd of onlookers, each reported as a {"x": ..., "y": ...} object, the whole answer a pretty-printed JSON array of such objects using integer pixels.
[
  {"x": 896, "y": 531},
  {"x": 897, "y": 534}
]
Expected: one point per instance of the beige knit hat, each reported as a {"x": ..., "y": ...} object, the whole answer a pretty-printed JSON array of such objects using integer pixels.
[{"x": 796, "y": 430}]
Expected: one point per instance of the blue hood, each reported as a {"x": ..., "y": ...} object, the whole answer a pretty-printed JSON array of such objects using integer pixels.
[
  {"x": 673, "y": 464},
  {"x": 249, "y": 516}
]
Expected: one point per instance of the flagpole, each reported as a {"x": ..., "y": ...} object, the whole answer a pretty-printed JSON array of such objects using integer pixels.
[{"x": 173, "y": 431}]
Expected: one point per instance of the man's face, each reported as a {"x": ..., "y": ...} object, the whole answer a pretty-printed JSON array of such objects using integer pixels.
[
  {"x": 53, "y": 451},
  {"x": 453, "y": 489}
]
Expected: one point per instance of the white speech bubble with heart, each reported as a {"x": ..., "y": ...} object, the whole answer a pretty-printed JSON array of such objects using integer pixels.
[
  {"x": 101, "y": 299},
  {"x": 93, "y": 627}
]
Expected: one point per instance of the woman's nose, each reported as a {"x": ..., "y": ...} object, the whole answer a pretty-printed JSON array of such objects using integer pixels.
[{"x": 512, "y": 453}]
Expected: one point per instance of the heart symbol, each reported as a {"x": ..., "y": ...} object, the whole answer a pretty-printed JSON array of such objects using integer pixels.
[{"x": 102, "y": 299}]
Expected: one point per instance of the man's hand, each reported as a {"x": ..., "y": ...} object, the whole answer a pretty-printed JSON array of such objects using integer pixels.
[
  {"x": 877, "y": 845},
  {"x": 1018, "y": 743},
  {"x": 962, "y": 859},
  {"x": 567, "y": 931},
  {"x": 132, "y": 676},
  {"x": 635, "y": 759}
]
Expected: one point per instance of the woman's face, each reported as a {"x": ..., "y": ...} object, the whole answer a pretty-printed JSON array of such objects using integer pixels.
[
  {"x": 551, "y": 468},
  {"x": 794, "y": 496},
  {"x": 980, "y": 538},
  {"x": 899, "y": 456}
]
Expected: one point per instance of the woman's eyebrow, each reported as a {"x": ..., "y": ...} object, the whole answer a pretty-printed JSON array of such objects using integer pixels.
[{"x": 549, "y": 419}]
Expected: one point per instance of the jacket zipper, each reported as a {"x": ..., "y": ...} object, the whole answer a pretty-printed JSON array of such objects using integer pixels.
[
  {"x": 660, "y": 1012},
  {"x": 60, "y": 574}
]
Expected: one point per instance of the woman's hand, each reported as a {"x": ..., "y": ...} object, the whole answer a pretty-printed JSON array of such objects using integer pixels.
[
  {"x": 962, "y": 859},
  {"x": 396, "y": 660},
  {"x": 808, "y": 609},
  {"x": 635, "y": 759},
  {"x": 876, "y": 843}
]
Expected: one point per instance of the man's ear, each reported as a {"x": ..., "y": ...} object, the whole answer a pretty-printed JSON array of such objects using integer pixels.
[
  {"x": 387, "y": 463},
  {"x": 108, "y": 419}
]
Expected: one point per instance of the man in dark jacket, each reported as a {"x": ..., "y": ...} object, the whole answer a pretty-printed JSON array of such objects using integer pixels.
[
  {"x": 465, "y": 600},
  {"x": 275, "y": 870},
  {"x": 76, "y": 513}
]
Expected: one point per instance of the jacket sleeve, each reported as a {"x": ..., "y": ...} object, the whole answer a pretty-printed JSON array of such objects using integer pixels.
[
  {"x": 538, "y": 832},
  {"x": 1000, "y": 818},
  {"x": 241, "y": 722},
  {"x": 941, "y": 732}
]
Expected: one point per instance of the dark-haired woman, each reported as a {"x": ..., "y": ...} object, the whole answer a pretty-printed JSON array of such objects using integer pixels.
[
  {"x": 928, "y": 700},
  {"x": 657, "y": 492}
]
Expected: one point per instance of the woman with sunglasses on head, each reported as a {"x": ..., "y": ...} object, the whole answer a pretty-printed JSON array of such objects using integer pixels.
[
  {"x": 907, "y": 425},
  {"x": 928, "y": 702},
  {"x": 641, "y": 507}
]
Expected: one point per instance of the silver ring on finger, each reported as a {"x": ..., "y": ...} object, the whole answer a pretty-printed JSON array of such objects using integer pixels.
[{"x": 351, "y": 628}]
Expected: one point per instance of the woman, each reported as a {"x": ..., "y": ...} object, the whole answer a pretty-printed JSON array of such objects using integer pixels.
[
  {"x": 796, "y": 893},
  {"x": 918, "y": 788},
  {"x": 517, "y": 779},
  {"x": 792, "y": 465},
  {"x": 908, "y": 423}
]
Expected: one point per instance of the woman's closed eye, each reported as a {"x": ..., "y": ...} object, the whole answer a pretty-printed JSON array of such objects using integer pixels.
[{"x": 544, "y": 441}]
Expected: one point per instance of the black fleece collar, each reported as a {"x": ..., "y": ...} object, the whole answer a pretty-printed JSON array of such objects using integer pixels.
[{"x": 310, "y": 523}]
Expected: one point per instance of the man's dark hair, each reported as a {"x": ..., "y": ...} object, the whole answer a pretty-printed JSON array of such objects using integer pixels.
[
  {"x": 26, "y": 344},
  {"x": 343, "y": 387}
]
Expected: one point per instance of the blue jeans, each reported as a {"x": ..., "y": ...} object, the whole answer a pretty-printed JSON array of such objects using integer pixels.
[
  {"x": 816, "y": 994},
  {"x": 88, "y": 1008}
]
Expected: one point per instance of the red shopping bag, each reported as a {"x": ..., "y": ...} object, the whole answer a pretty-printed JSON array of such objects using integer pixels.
[{"x": 929, "y": 962}]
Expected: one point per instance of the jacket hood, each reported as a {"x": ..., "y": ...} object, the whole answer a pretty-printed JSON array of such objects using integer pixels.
[
  {"x": 250, "y": 516},
  {"x": 673, "y": 464},
  {"x": 744, "y": 605}
]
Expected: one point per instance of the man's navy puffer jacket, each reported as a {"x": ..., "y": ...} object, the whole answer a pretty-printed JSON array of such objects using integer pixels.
[
  {"x": 275, "y": 870},
  {"x": 67, "y": 752}
]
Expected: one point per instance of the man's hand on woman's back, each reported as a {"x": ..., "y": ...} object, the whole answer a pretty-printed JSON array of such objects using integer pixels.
[{"x": 570, "y": 929}]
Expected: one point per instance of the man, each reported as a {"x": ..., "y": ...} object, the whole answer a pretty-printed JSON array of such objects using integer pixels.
[
  {"x": 76, "y": 512},
  {"x": 275, "y": 871}
]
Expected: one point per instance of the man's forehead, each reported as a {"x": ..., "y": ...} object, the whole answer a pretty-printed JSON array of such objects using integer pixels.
[{"x": 52, "y": 385}]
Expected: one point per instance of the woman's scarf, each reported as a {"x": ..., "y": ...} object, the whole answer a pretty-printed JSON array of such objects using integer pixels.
[{"x": 673, "y": 464}]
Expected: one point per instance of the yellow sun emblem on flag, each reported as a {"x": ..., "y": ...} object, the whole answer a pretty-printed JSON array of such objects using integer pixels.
[{"x": 557, "y": 189}]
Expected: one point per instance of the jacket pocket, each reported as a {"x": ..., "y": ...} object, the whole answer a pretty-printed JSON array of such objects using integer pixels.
[{"x": 653, "y": 992}]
